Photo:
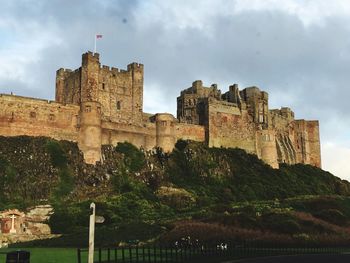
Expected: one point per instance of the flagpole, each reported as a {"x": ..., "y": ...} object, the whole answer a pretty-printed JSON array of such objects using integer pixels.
[{"x": 94, "y": 44}]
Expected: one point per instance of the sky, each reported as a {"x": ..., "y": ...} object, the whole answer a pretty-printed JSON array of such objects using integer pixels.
[{"x": 296, "y": 50}]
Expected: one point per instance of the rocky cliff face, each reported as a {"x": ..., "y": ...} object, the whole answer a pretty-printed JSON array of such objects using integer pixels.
[{"x": 29, "y": 225}]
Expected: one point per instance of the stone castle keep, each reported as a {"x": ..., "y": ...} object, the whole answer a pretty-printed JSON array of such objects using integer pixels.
[{"x": 96, "y": 105}]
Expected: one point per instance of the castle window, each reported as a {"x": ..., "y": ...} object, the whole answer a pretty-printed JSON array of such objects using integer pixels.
[
  {"x": 103, "y": 86},
  {"x": 87, "y": 108},
  {"x": 163, "y": 123},
  {"x": 51, "y": 117},
  {"x": 33, "y": 114},
  {"x": 261, "y": 118},
  {"x": 118, "y": 105}
]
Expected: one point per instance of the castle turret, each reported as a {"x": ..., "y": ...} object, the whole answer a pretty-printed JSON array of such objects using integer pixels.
[
  {"x": 165, "y": 131},
  {"x": 266, "y": 145},
  {"x": 258, "y": 105},
  {"x": 90, "y": 132},
  {"x": 136, "y": 70},
  {"x": 90, "y": 71},
  {"x": 60, "y": 77}
]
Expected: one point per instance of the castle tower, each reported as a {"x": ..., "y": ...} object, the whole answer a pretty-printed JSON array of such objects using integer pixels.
[
  {"x": 90, "y": 131},
  {"x": 165, "y": 131},
  {"x": 90, "y": 71},
  {"x": 136, "y": 90},
  {"x": 257, "y": 105},
  {"x": 266, "y": 147}
]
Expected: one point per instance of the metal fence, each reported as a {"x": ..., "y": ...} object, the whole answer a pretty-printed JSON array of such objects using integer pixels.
[{"x": 199, "y": 253}]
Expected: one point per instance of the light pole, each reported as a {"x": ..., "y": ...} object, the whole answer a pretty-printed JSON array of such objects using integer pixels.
[{"x": 92, "y": 232}]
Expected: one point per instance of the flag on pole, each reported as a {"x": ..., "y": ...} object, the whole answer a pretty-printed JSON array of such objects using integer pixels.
[{"x": 97, "y": 36}]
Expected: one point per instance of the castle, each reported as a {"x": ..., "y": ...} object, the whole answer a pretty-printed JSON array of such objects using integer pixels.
[{"x": 97, "y": 105}]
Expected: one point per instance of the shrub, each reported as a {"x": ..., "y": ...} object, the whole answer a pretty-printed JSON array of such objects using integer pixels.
[
  {"x": 134, "y": 159},
  {"x": 57, "y": 154},
  {"x": 177, "y": 198},
  {"x": 181, "y": 145},
  {"x": 280, "y": 223},
  {"x": 332, "y": 215}
]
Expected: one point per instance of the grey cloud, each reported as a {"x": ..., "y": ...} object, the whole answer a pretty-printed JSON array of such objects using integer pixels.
[{"x": 306, "y": 68}]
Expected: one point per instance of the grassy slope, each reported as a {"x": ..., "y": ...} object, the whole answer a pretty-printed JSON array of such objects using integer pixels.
[{"x": 225, "y": 189}]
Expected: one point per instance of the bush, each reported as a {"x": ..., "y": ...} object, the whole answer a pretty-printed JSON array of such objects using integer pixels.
[
  {"x": 280, "y": 223},
  {"x": 181, "y": 145},
  {"x": 176, "y": 198},
  {"x": 134, "y": 159},
  {"x": 332, "y": 215},
  {"x": 57, "y": 154}
]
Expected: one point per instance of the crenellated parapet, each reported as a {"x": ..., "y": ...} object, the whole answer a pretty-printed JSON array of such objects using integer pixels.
[
  {"x": 97, "y": 104},
  {"x": 241, "y": 118}
]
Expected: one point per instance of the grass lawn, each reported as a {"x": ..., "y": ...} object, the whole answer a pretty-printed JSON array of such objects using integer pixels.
[{"x": 47, "y": 255}]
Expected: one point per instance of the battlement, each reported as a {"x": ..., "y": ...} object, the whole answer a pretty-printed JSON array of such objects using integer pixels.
[
  {"x": 98, "y": 104},
  {"x": 63, "y": 71},
  {"x": 90, "y": 57},
  {"x": 114, "y": 70},
  {"x": 254, "y": 92},
  {"x": 28, "y": 99},
  {"x": 135, "y": 66},
  {"x": 284, "y": 112}
]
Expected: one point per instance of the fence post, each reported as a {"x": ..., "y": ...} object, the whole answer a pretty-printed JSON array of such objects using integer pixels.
[
  {"x": 99, "y": 255},
  {"x": 123, "y": 255},
  {"x": 176, "y": 255},
  {"x": 154, "y": 253},
  {"x": 137, "y": 253},
  {"x": 79, "y": 255},
  {"x": 166, "y": 254},
  {"x": 109, "y": 255},
  {"x": 115, "y": 255},
  {"x": 160, "y": 254},
  {"x": 149, "y": 254},
  {"x": 171, "y": 253},
  {"x": 130, "y": 254},
  {"x": 181, "y": 255},
  {"x": 143, "y": 254}
]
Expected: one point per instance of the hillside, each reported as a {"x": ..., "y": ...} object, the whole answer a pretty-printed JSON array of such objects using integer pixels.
[{"x": 195, "y": 190}]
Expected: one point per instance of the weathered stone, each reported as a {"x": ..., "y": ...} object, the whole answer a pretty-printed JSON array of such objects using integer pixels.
[
  {"x": 97, "y": 105},
  {"x": 27, "y": 226}
]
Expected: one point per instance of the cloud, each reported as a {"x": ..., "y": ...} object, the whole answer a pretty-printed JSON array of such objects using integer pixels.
[
  {"x": 298, "y": 51},
  {"x": 336, "y": 159}
]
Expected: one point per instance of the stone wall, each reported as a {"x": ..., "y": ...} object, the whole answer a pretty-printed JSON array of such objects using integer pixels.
[
  {"x": 98, "y": 105},
  {"x": 314, "y": 142},
  {"x": 35, "y": 117},
  {"x": 191, "y": 132},
  {"x": 228, "y": 127},
  {"x": 142, "y": 135}
]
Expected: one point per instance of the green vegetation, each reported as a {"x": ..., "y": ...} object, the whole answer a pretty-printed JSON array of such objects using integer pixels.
[
  {"x": 45, "y": 255},
  {"x": 59, "y": 160},
  {"x": 134, "y": 159},
  {"x": 210, "y": 191}
]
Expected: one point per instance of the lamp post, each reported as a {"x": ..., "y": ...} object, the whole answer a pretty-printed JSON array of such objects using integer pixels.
[
  {"x": 93, "y": 219},
  {"x": 92, "y": 232}
]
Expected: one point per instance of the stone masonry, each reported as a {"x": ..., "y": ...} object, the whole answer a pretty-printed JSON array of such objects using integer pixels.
[{"x": 97, "y": 105}]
